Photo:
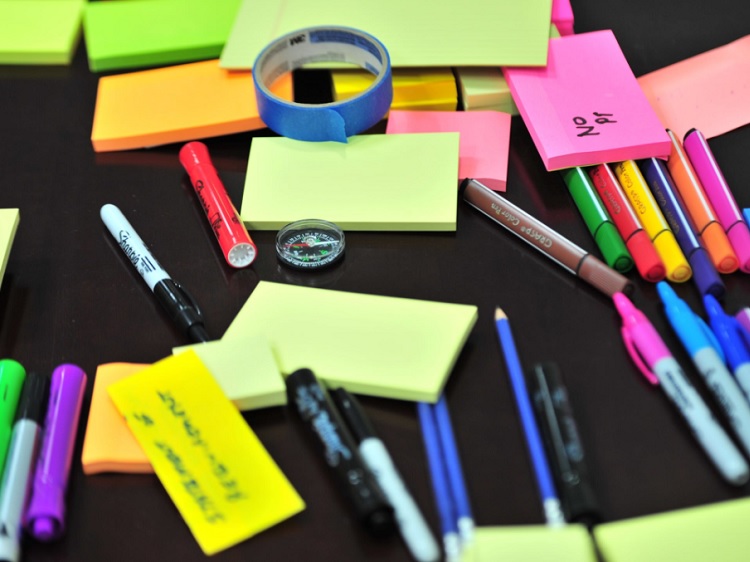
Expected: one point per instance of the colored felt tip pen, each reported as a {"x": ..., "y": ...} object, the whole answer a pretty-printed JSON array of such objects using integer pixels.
[
  {"x": 664, "y": 191},
  {"x": 12, "y": 375},
  {"x": 647, "y": 261},
  {"x": 340, "y": 452},
  {"x": 699, "y": 208},
  {"x": 654, "y": 360},
  {"x": 176, "y": 301},
  {"x": 563, "y": 442},
  {"x": 597, "y": 219},
  {"x": 699, "y": 342},
  {"x": 411, "y": 523},
  {"x": 733, "y": 341},
  {"x": 45, "y": 516},
  {"x": 545, "y": 240},
  {"x": 719, "y": 194},
  {"x": 234, "y": 240},
  {"x": 645, "y": 206},
  {"x": 19, "y": 466}
]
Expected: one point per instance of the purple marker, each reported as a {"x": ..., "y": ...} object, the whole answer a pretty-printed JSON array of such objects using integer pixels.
[{"x": 45, "y": 516}]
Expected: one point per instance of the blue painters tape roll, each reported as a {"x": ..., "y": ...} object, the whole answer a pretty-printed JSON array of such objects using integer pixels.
[{"x": 329, "y": 121}]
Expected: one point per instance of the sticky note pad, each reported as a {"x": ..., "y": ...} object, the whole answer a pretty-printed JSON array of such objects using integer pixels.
[
  {"x": 562, "y": 16},
  {"x": 176, "y": 104},
  {"x": 372, "y": 182},
  {"x": 375, "y": 345},
  {"x": 415, "y": 33},
  {"x": 108, "y": 445},
  {"x": 245, "y": 370},
  {"x": 413, "y": 88},
  {"x": 141, "y": 33},
  {"x": 220, "y": 477},
  {"x": 9, "y": 219},
  {"x": 586, "y": 107},
  {"x": 709, "y": 92},
  {"x": 484, "y": 88},
  {"x": 712, "y": 532},
  {"x": 39, "y": 31},
  {"x": 539, "y": 543},
  {"x": 484, "y": 140}
]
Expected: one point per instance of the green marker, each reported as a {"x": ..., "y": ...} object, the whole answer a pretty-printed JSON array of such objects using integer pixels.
[
  {"x": 597, "y": 219},
  {"x": 12, "y": 375}
]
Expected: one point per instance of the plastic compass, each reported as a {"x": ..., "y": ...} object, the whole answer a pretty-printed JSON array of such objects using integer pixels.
[{"x": 310, "y": 244}]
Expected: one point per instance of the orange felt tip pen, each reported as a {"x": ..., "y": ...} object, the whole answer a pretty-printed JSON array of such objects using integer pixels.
[{"x": 236, "y": 244}]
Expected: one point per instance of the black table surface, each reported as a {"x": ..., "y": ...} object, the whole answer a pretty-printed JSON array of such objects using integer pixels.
[{"x": 68, "y": 296}]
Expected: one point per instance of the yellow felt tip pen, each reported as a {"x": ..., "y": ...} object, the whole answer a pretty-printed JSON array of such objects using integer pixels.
[{"x": 642, "y": 200}]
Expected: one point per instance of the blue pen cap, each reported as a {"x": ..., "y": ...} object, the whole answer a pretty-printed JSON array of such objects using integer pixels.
[
  {"x": 705, "y": 275},
  {"x": 728, "y": 331},
  {"x": 688, "y": 326}
]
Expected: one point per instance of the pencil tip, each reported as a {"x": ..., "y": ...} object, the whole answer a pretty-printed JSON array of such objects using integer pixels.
[{"x": 499, "y": 314}]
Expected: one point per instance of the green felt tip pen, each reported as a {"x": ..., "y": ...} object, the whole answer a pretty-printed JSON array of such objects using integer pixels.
[
  {"x": 597, "y": 219},
  {"x": 12, "y": 375}
]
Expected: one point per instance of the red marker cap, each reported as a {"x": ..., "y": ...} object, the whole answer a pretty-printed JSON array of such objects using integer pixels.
[{"x": 647, "y": 261}]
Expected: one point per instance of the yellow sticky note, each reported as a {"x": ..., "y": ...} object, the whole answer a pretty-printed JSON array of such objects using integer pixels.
[
  {"x": 713, "y": 532},
  {"x": 372, "y": 182},
  {"x": 571, "y": 543},
  {"x": 245, "y": 370},
  {"x": 369, "y": 344},
  {"x": 9, "y": 219},
  {"x": 222, "y": 480}
]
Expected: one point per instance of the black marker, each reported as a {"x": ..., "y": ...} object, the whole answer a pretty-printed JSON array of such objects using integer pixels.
[
  {"x": 314, "y": 406},
  {"x": 565, "y": 451}
]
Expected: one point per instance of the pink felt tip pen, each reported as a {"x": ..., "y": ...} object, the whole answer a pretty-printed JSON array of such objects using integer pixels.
[
  {"x": 236, "y": 244},
  {"x": 654, "y": 360},
  {"x": 45, "y": 515},
  {"x": 719, "y": 194}
]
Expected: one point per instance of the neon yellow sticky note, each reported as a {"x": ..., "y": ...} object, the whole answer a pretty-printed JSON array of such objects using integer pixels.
[
  {"x": 9, "y": 219},
  {"x": 369, "y": 344},
  {"x": 479, "y": 33},
  {"x": 39, "y": 31},
  {"x": 372, "y": 182},
  {"x": 539, "y": 543},
  {"x": 245, "y": 370},
  {"x": 222, "y": 480},
  {"x": 485, "y": 88},
  {"x": 712, "y": 532}
]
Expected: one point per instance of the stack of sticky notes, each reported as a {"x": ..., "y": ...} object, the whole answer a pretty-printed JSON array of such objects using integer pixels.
[
  {"x": 9, "y": 219},
  {"x": 484, "y": 88}
]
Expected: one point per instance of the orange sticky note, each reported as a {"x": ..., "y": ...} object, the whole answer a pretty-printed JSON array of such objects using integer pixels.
[
  {"x": 176, "y": 104},
  {"x": 709, "y": 92}
]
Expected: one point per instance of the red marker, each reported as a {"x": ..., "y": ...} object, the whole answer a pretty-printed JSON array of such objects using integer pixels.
[
  {"x": 647, "y": 261},
  {"x": 236, "y": 245}
]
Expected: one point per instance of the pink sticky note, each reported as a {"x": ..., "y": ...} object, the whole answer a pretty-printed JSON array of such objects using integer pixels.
[
  {"x": 484, "y": 139},
  {"x": 586, "y": 107},
  {"x": 562, "y": 16},
  {"x": 709, "y": 92}
]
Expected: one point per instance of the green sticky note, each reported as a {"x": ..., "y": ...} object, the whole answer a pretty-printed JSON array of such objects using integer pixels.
[
  {"x": 141, "y": 33},
  {"x": 372, "y": 182},
  {"x": 713, "y": 532},
  {"x": 436, "y": 33},
  {"x": 39, "y": 31},
  {"x": 369, "y": 344},
  {"x": 570, "y": 543}
]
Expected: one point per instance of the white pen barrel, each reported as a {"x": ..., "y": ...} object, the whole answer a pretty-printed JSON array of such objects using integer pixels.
[
  {"x": 727, "y": 392},
  {"x": 414, "y": 529},
  {"x": 712, "y": 437}
]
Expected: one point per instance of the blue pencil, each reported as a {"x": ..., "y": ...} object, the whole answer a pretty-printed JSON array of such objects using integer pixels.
[
  {"x": 550, "y": 501},
  {"x": 439, "y": 478}
]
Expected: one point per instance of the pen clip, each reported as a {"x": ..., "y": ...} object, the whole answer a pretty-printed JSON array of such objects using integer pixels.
[
  {"x": 709, "y": 333},
  {"x": 635, "y": 355}
]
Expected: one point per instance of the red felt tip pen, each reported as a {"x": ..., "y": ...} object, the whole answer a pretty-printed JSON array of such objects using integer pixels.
[{"x": 236, "y": 244}]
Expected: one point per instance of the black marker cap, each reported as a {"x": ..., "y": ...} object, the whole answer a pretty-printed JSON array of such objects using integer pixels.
[
  {"x": 32, "y": 405},
  {"x": 353, "y": 413}
]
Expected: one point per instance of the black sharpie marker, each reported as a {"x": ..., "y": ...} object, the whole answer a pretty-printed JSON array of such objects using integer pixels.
[{"x": 311, "y": 401}]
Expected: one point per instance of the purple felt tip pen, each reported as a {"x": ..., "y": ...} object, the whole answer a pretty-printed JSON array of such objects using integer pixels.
[{"x": 45, "y": 516}]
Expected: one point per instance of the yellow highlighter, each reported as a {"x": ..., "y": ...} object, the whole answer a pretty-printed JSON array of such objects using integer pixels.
[{"x": 638, "y": 193}]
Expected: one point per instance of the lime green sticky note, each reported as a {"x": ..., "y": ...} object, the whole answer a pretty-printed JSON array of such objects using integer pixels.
[
  {"x": 570, "y": 543},
  {"x": 245, "y": 370},
  {"x": 141, "y": 33},
  {"x": 380, "y": 346},
  {"x": 372, "y": 182},
  {"x": 436, "y": 33},
  {"x": 713, "y": 532},
  {"x": 9, "y": 219},
  {"x": 39, "y": 31}
]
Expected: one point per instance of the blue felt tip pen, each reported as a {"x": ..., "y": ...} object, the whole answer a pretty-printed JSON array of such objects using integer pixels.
[{"x": 732, "y": 339}]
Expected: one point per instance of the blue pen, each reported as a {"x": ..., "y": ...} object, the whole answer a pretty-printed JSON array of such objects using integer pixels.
[
  {"x": 731, "y": 337},
  {"x": 704, "y": 350},
  {"x": 439, "y": 478},
  {"x": 662, "y": 186}
]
